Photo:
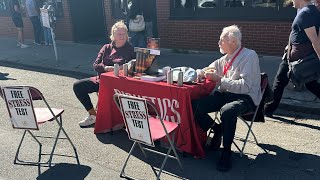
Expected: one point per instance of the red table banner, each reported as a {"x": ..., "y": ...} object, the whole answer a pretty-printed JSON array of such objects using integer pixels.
[{"x": 173, "y": 102}]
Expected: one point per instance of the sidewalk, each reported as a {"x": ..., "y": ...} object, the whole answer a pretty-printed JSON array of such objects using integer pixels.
[{"x": 76, "y": 58}]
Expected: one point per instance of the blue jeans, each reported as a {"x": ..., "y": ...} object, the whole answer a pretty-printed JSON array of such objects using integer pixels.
[
  {"x": 37, "y": 30},
  {"x": 47, "y": 35},
  {"x": 230, "y": 106},
  {"x": 138, "y": 39}
]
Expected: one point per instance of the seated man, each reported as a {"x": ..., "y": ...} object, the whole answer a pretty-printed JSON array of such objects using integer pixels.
[{"x": 238, "y": 77}]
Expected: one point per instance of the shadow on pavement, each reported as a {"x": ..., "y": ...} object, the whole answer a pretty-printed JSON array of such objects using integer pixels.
[
  {"x": 65, "y": 171},
  {"x": 296, "y": 123},
  {"x": 48, "y": 70},
  {"x": 3, "y": 76},
  {"x": 279, "y": 163}
]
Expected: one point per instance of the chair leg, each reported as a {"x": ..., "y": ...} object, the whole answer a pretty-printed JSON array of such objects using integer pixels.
[
  {"x": 174, "y": 150},
  {"x": 247, "y": 135},
  {"x": 143, "y": 151},
  {"x": 215, "y": 120},
  {"x": 54, "y": 146},
  {"x": 65, "y": 133},
  {"x": 167, "y": 155},
  {"x": 238, "y": 148},
  {"x": 164, "y": 162},
  {"x": 18, "y": 150},
  {"x": 122, "y": 174}
]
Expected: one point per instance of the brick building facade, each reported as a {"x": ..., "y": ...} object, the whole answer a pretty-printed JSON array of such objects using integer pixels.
[{"x": 265, "y": 36}]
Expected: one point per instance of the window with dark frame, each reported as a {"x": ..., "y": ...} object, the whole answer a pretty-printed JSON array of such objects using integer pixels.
[{"x": 232, "y": 9}]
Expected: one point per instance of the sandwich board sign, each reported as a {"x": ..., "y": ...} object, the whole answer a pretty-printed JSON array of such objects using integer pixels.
[
  {"x": 20, "y": 107},
  {"x": 135, "y": 115},
  {"x": 45, "y": 17}
]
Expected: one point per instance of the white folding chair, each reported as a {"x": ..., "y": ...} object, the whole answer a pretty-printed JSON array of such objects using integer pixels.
[
  {"x": 23, "y": 115},
  {"x": 253, "y": 114},
  {"x": 147, "y": 129}
]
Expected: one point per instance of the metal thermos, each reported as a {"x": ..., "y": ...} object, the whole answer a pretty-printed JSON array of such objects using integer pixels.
[
  {"x": 180, "y": 79},
  {"x": 116, "y": 70},
  {"x": 125, "y": 69},
  {"x": 169, "y": 77}
]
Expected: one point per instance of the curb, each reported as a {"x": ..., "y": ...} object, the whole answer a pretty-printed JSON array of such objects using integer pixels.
[
  {"x": 300, "y": 106},
  {"x": 62, "y": 72}
]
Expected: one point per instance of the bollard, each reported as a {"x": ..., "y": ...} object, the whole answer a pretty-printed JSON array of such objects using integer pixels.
[{"x": 169, "y": 77}]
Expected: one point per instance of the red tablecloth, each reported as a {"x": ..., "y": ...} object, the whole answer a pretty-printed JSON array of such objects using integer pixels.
[{"x": 174, "y": 103}]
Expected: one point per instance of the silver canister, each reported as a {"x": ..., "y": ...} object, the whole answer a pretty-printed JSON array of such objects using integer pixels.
[
  {"x": 169, "y": 77},
  {"x": 165, "y": 70},
  {"x": 116, "y": 70},
  {"x": 180, "y": 79},
  {"x": 125, "y": 69}
]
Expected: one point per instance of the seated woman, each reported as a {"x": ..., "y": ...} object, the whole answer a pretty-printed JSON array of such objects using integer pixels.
[{"x": 118, "y": 51}]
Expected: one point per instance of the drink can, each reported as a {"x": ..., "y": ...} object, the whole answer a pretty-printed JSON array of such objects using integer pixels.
[
  {"x": 180, "y": 79},
  {"x": 125, "y": 69},
  {"x": 169, "y": 77},
  {"x": 116, "y": 70}
]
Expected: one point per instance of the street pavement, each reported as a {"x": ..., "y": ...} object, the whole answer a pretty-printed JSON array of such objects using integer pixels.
[{"x": 291, "y": 138}]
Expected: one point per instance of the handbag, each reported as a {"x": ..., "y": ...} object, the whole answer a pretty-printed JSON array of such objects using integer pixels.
[
  {"x": 304, "y": 70},
  {"x": 137, "y": 24}
]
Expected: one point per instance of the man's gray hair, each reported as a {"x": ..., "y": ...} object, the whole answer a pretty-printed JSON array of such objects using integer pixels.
[{"x": 233, "y": 32}]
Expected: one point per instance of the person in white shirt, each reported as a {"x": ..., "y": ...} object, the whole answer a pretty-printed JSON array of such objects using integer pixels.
[{"x": 238, "y": 79}]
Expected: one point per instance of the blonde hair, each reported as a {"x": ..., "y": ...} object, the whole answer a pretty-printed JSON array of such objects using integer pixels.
[
  {"x": 117, "y": 25},
  {"x": 233, "y": 31}
]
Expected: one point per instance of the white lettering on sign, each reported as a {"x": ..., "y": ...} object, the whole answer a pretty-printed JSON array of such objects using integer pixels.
[{"x": 166, "y": 106}]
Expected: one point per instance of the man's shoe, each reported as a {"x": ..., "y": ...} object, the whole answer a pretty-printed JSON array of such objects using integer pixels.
[
  {"x": 224, "y": 163},
  {"x": 268, "y": 114},
  {"x": 18, "y": 44},
  {"x": 91, "y": 119},
  {"x": 216, "y": 140}
]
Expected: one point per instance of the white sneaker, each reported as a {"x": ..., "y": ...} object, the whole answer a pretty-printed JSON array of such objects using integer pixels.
[
  {"x": 24, "y": 46},
  {"x": 18, "y": 44},
  {"x": 91, "y": 119},
  {"x": 36, "y": 43}
]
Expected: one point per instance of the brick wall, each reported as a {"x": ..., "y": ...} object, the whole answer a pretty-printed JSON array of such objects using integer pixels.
[
  {"x": 264, "y": 37},
  {"x": 63, "y": 27}
]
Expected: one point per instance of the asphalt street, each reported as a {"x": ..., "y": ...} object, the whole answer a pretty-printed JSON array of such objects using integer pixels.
[{"x": 291, "y": 141}]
